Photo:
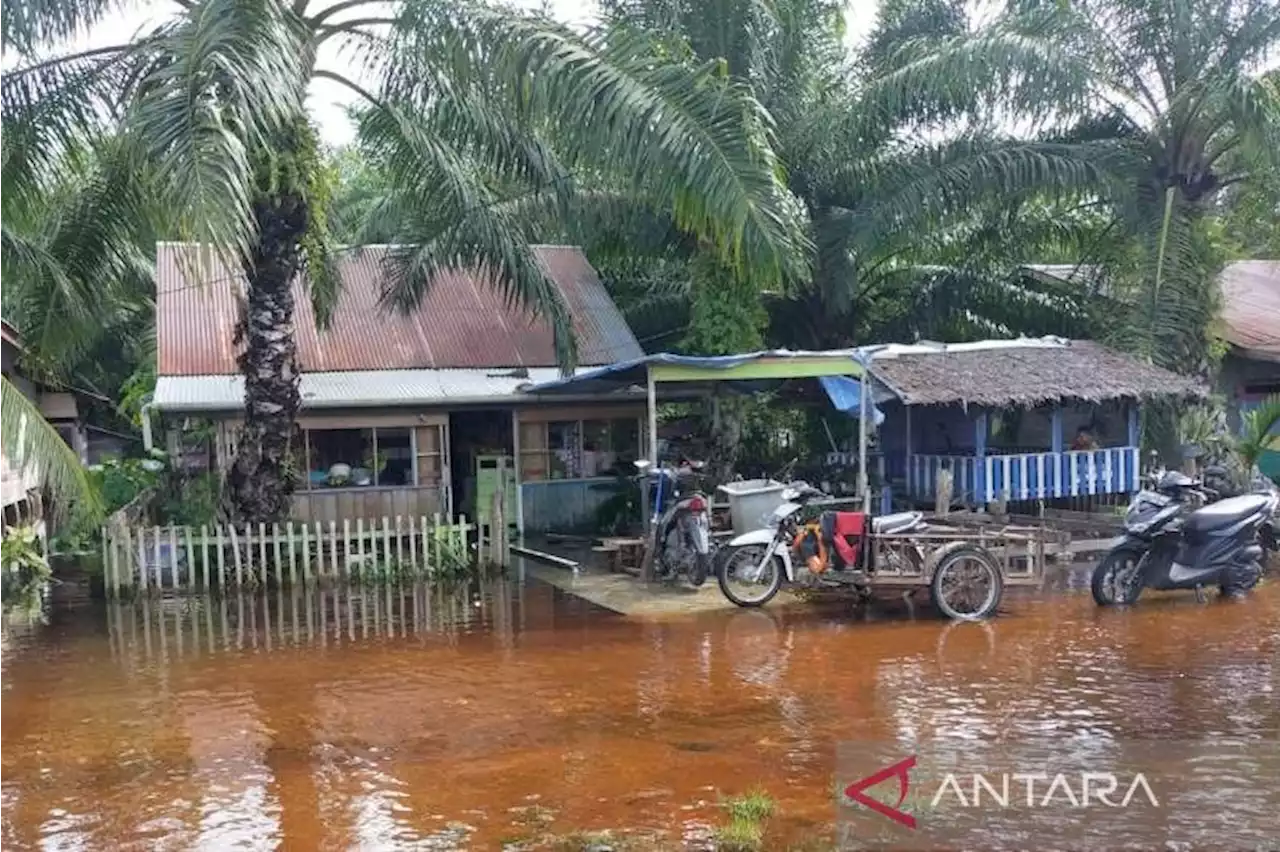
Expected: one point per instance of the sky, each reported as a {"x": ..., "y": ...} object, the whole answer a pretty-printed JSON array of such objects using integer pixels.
[{"x": 328, "y": 100}]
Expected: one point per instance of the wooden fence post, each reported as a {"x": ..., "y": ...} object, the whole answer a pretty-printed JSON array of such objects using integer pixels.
[
  {"x": 222, "y": 559},
  {"x": 204, "y": 553}
]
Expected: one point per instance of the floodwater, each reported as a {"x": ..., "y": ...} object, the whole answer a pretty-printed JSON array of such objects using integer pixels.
[{"x": 413, "y": 719}]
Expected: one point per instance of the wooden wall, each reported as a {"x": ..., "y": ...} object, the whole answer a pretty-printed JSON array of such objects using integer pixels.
[{"x": 337, "y": 504}]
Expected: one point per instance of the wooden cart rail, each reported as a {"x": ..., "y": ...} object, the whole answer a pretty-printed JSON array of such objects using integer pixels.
[{"x": 909, "y": 558}]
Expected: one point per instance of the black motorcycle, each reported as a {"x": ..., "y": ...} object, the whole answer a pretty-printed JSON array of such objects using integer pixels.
[{"x": 1179, "y": 535}]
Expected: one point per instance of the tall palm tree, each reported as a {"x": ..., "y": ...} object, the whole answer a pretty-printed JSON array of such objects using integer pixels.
[
  {"x": 456, "y": 104},
  {"x": 1178, "y": 96},
  {"x": 912, "y": 203}
]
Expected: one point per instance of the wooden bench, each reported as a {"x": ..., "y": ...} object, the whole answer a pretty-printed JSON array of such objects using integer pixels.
[{"x": 621, "y": 554}]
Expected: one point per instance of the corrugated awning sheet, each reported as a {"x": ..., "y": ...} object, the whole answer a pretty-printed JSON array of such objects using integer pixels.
[{"x": 356, "y": 388}]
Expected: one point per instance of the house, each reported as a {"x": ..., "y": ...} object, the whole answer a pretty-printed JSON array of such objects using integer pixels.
[
  {"x": 410, "y": 415},
  {"x": 1028, "y": 419},
  {"x": 1250, "y": 371},
  {"x": 63, "y": 408}
]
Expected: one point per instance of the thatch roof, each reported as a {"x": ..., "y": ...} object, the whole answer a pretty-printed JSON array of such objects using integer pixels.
[{"x": 1023, "y": 373}]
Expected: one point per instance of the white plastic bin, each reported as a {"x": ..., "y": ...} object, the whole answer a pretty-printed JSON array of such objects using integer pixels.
[{"x": 752, "y": 501}]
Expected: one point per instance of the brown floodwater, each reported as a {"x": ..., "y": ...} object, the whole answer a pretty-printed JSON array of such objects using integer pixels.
[{"x": 411, "y": 718}]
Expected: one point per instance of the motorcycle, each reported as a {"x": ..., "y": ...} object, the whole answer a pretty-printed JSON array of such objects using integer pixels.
[
  {"x": 834, "y": 549},
  {"x": 680, "y": 535},
  {"x": 1179, "y": 534}
]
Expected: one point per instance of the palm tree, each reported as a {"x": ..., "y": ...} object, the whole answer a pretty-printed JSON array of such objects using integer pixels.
[
  {"x": 32, "y": 444},
  {"x": 456, "y": 105},
  {"x": 919, "y": 213},
  {"x": 1175, "y": 98}
]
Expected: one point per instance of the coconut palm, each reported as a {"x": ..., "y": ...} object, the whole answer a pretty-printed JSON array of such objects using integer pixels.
[
  {"x": 456, "y": 102},
  {"x": 1178, "y": 95}
]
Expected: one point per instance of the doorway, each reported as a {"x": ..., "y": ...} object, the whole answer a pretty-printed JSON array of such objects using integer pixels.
[{"x": 480, "y": 447}]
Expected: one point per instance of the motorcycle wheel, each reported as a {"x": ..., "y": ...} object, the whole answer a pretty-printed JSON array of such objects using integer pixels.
[
  {"x": 1237, "y": 582},
  {"x": 1114, "y": 581},
  {"x": 701, "y": 566},
  {"x": 749, "y": 589}
]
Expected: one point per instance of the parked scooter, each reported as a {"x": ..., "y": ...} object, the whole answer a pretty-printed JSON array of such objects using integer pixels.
[
  {"x": 1179, "y": 535},
  {"x": 680, "y": 525}
]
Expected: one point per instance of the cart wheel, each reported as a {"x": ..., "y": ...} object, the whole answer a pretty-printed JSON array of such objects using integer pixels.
[{"x": 967, "y": 585}]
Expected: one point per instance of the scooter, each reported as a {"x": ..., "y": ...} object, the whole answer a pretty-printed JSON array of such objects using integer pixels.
[
  {"x": 1170, "y": 543},
  {"x": 680, "y": 529}
]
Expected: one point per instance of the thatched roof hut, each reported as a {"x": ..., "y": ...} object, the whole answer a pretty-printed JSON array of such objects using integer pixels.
[{"x": 1023, "y": 373}]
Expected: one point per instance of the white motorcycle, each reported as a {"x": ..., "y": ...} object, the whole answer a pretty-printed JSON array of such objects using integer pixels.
[{"x": 752, "y": 567}]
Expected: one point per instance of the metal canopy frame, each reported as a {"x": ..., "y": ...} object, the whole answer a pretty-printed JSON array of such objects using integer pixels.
[{"x": 693, "y": 374}]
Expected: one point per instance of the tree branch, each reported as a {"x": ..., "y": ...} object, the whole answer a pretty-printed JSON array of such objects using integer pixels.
[
  {"x": 350, "y": 27},
  {"x": 355, "y": 87},
  {"x": 72, "y": 57},
  {"x": 324, "y": 14}
]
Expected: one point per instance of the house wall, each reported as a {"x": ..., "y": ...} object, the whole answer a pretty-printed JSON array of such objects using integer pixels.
[
  {"x": 1242, "y": 380},
  {"x": 547, "y": 503}
]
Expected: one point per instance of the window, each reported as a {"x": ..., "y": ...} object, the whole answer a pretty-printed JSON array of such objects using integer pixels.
[
  {"x": 346, "y": 458},
  {"x": 573, "y": 449}
]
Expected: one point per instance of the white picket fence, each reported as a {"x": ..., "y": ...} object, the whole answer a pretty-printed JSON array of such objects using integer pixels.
[{"x": 220, "y": 556}]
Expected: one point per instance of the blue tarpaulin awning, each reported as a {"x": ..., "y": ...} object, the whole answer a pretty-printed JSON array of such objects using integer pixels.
[{"x": 846, "y": 395}]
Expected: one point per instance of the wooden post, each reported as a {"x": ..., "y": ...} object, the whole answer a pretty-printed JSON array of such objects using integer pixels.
[
  {"x": 191, "y": 556},
  {"x": 222, "y": 558},
  {"x": 981, "y": 486},
  {"x": 333, "y": 547},
  {"x": 386, "y": 541},
  {"x": 108, "y": 579},
  {"x": 426, "y": 555},
  {"x": 306, "y": 552},
  {"x": 359, "y": 548},
  {"x": 413, "y": 545},
  {"x": 1057, "y": 444},
  {"x": 277, "y": 552},
  {"x": 204, "y": 554},
  {"x": 864, "y": 482},
  {"x": 235, "y": 555},
  {"x": 519, "y": 489},
  {"x": 155, "y": 557},
  {"x": 400, "y": 564},
  {"x": 944, "y": 488},
  {"x": 346, "y": 548},
  {"x": 262, "y": 550},
  {"x": 293, "y": 556}
]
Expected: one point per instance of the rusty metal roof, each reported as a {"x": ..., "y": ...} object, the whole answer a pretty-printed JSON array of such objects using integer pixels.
[
  {"x": 463, "y": 322},
  {"x": 1251, "y": 307}
]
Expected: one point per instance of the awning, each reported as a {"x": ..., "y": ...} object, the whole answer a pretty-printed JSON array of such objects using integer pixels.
[
  {"x": 689, "y": 370},
  {"x": 846, "y": 395}
]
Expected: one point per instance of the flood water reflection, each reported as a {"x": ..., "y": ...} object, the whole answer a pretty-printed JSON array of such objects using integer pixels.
[{"x": 395, "y": 718}]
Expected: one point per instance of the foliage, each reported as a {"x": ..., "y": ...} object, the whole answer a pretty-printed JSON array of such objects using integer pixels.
[
  {"x": 26, "y": 571},
  {"x": 622, "y": 510},
  {"x": 30, "y": 442},
  {"x": 1261, "y": 433}
]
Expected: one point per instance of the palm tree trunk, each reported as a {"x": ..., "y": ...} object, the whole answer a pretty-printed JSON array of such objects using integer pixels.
[{"x": 260, "y": 482}]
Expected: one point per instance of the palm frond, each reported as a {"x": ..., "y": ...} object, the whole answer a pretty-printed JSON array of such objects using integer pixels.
[
  {"x": 1261, "y": 432},
  {"x": 447, "y": 217},
  {"x": 233, "y": 75},
  {"x": 31, "y": 444},
  {"x": 686, "y": 136}
]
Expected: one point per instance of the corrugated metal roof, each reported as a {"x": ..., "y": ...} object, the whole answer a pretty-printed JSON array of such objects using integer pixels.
[
  {"x": 1251, "y": 306},
  {"x": 463, "y": 322},
  {"x": 356, "y": 388}
]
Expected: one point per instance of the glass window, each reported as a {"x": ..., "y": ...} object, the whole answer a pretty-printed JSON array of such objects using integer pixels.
[
  {"x": 395, "y": 457},
  {"x": 564, "y": 441},
  {"x": 341, "y": 458}
]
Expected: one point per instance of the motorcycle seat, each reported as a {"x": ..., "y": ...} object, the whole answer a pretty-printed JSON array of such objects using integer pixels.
[
  {"x": 895, "y": 523},
  {"x": 1225, "y": 513}
]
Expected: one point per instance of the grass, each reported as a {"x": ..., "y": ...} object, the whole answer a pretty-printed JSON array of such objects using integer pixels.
[{"x": 748, "y": 813}]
